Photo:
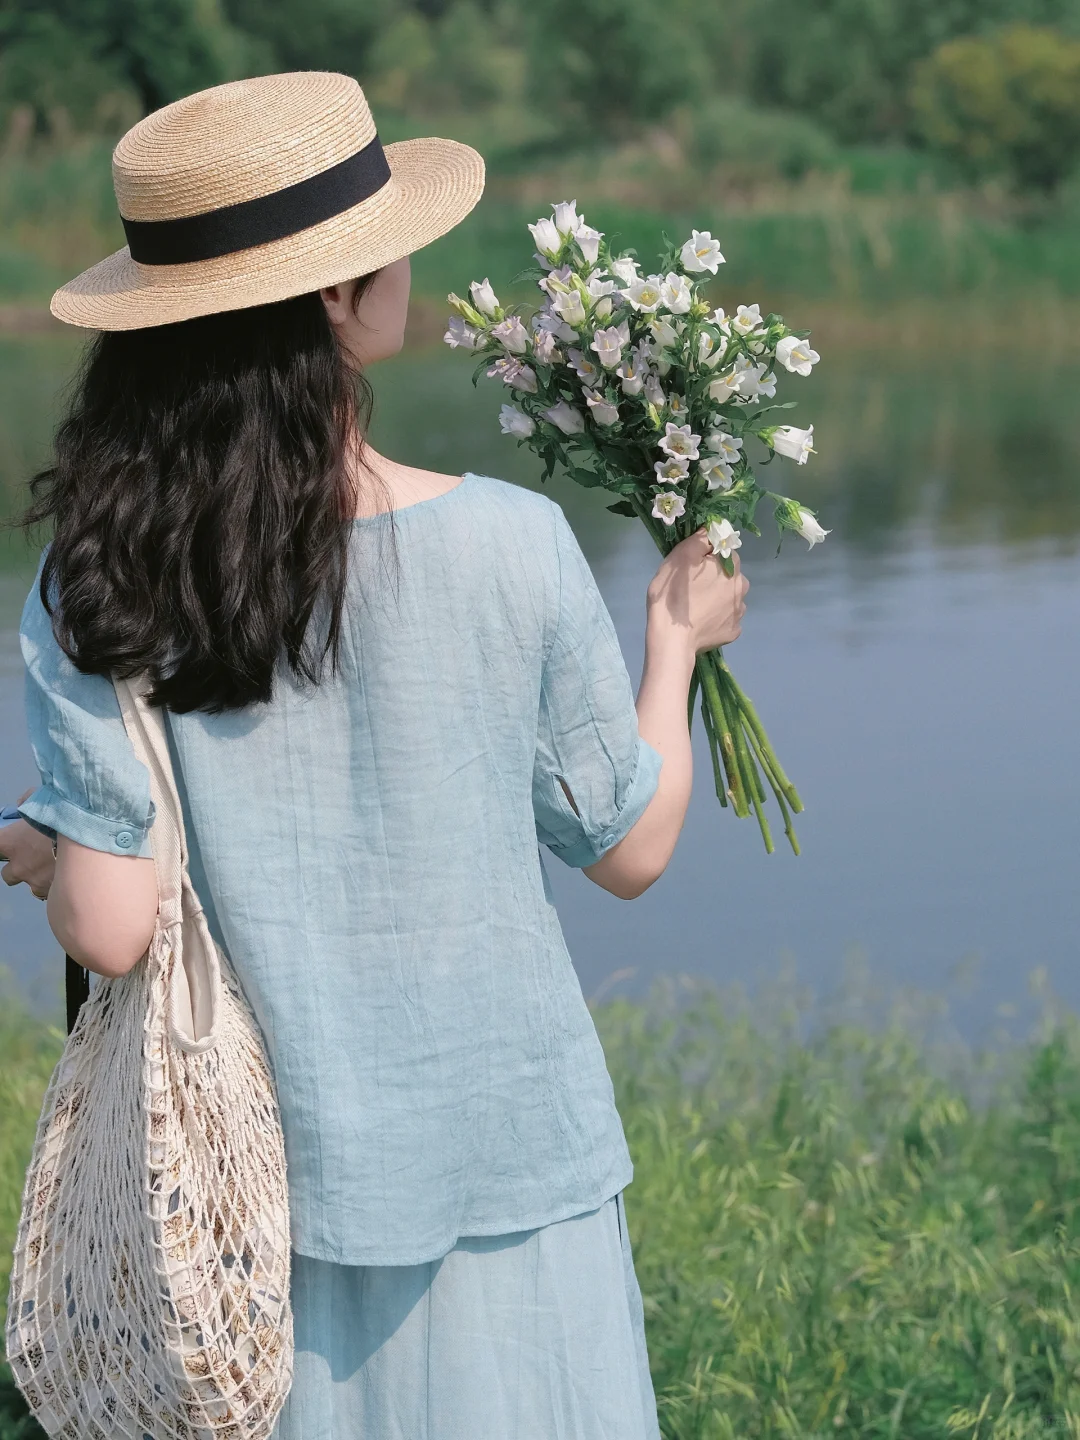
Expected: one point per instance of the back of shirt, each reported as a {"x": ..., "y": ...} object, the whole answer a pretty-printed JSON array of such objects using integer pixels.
[{"x": 367, "y": 850}]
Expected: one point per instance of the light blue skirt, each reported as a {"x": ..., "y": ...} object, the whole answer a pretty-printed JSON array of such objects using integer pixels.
[{"x": 538, "y": 1335}]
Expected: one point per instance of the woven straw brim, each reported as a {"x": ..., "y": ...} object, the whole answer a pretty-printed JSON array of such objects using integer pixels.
[{"x": 434, "y": 184}]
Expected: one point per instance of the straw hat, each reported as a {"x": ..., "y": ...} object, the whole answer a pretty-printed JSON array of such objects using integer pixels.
[{"x": 262, "y": 189}]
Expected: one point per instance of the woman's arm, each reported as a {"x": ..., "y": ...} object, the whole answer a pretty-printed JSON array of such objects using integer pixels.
[
  {"x": 691, "y": 606},
  {"x": 102, "y": 907}
]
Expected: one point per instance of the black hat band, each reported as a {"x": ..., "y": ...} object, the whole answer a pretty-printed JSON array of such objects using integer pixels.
[{"x": 266, "y": 218}]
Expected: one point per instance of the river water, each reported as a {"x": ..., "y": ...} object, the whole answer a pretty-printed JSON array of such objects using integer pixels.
[{"x": 917, "y": 673}]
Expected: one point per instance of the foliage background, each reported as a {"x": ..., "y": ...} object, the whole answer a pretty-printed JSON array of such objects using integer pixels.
[{"x": 867, "y": 150}]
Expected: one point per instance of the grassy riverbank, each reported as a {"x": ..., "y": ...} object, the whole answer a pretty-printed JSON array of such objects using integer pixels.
[
  {"x": 850, "y": 243},
  {"x": 866, "y": 1232}
]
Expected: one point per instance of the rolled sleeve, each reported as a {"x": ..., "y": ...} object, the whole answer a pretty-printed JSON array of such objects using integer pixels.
[
  {"x": 587, "y": 735},
  {"x": 93, "y": 788}
]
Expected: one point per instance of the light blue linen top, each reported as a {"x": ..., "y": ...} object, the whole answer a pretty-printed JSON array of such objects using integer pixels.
[{"x": 367, "y": 854}]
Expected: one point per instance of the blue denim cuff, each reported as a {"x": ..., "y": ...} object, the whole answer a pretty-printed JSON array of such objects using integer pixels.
[
  {"x": 50, "y": 813},
  {"x": 590, "y": 849}
]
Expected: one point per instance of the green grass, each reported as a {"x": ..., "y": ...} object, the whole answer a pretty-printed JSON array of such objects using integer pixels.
[
  {"x": 841, "y": 247},
  {"x": 28, "y": 1051},
  {"x": 849, "y": 1229}
]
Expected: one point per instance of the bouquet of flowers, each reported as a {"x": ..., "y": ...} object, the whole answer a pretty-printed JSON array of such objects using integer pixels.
[{"x": 635, "y": 383}]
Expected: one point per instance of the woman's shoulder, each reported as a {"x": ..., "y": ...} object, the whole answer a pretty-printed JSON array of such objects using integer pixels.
[{"x": 515, "y": 501}]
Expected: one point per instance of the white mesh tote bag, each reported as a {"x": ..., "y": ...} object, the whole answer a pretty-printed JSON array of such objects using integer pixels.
[{"x": 150, "y": 1287}]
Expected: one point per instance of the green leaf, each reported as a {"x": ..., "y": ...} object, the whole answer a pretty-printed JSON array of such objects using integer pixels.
[
  {"x": 480, "y": 367},
  {"x": 623, "y": 507},
  {"x": 584, "y": 477},
  {"x": 787, "y": 405}
]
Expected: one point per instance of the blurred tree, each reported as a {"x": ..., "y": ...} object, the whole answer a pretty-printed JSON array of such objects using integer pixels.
[
  {"x": 71, "y": 55},
  {"x": 605, "y": 67},
  {"x": 462, "y": 60},
  {"x": 753, "y": 143},
  {"x": 849, "y": 63},
  {"x": 1005, "y": 103},
  {"x": 314, "y": 34}
]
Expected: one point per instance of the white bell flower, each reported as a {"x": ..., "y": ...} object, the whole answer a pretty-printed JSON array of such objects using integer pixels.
[
  {"x": 484, "y": 297},
  {"x": 678, "y": 440},
  {"x": 555, "y": 282},
  {"x": 567, "y": 219},
  {"x": 625, "y": 270},
  {"x": 654, "y": 391},
  {"x": 668, "y": 505},
  {"x": 602, "y": 411},
  {"x": 701, "y": 252},
  {"x": 602, "y": 308},
  {"x": 569, "y": 307},
  {"x": 460, "y": 335},
  {"x": 797, "y": 445},
  {"x": 512, "y": 333},
  {"x": 725, "y": 445},
  {"x": 546, "y": 349},
  {"x": 716, "y": 472},
  {"x": 644, "y": 295},
  {"x": 677, "y": 405},
  {"x": 632, "y": 373},
  {"x": 675, "y": 293},
  {"x": 513, "y": 421},
  {"x": 546, "y": 237},
  {"x": 587, "y": 368},
  {"x": 725, "y": 387},
  {"x": 721, "y": 321},
  {"x": 673, "y": 470},
  {"x": 796, "y": 355},
  {"x": 547, "y": 320},
  {"x": 609, "y": 344},
  {"x": 723, "y": 537},
  {"x": 588, "y": 242},
  {"x": 565, "y": 417},
  {"x": 764, "y": 384},
  {"x": 512, "y": 372},
  {"x": 809, "y": 528},
  {"x": 664, "y": 331},
  {"x": 746, "y": 319},
  {"x": 751, "y": 381}
]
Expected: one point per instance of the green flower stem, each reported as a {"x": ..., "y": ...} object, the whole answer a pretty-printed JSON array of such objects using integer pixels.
[
  {"x": 691, "y": 697},
  {"x": 713, "y": 697},
  {"x": 719, "y": 783},
  {"x": 748, "y": 771},
  {"x": 789, "y": 829},
  {"x": 746, "y": 706}
]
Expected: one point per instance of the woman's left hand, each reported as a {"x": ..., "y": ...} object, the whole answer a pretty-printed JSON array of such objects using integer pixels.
[{"x": 29, "y": 856}]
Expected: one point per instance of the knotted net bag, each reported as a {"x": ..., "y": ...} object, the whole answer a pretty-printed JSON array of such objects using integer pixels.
[{"x": 150, "y": 1287}]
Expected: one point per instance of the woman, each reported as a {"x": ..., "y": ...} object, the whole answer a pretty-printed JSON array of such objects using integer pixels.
[{"x": 383, "y": 686}]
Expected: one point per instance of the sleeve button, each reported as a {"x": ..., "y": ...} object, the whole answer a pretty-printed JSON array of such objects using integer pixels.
[
  {"x": 125, "y": 839},
  {"x": 607, "y": 840}
]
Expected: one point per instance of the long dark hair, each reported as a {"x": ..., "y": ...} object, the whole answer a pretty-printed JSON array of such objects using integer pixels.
[{"x": 199, "y": 500}]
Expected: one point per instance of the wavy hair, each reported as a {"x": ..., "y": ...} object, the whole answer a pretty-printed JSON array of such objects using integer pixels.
[{"x": 199, "y": 499}]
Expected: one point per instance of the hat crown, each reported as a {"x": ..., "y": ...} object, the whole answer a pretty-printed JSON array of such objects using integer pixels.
[{"x": 238, "y": 142}]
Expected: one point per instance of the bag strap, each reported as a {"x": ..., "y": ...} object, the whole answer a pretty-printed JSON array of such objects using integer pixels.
[{"x": 145, "y": 725}]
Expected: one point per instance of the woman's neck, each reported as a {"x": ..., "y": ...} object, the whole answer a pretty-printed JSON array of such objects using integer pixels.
[{"x": 385, "y": 484}]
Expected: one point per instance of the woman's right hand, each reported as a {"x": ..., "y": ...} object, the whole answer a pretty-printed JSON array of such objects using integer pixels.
[
  {"x": 691, "y": 593},
  {"x": 692, "y": 606}
]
